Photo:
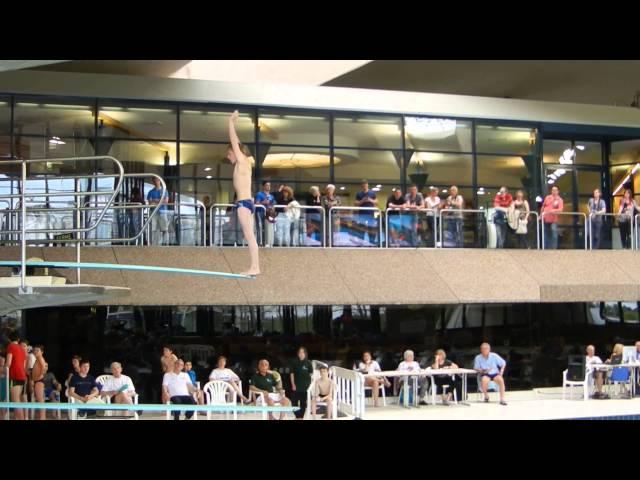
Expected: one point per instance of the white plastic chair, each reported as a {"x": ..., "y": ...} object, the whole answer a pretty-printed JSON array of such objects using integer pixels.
[
  {"x": 584, "y": 384},
  {"x": 102, "y": 379},
  {"x": 195, "y": 414},
  {"x": 381, "y": 390},
  {"x": 433, "y": 389},
  {"x": 334, "y": 398},
  {"x": 73, "y": 414},
  {"x": 215, "y": 393},
  {"x": 492, "y": 387}
]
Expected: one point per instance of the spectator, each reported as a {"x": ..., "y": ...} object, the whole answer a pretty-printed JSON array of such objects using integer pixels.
[
  {"x": 286, "y": 217},
  {"x": 227, "y": 375},
  {"x": 160, "y": 221},
  {"x": 414, "y": 202},
  {"x": 397, "y": 202},
  {"x": 490, "y": 366},
  {"x": 635, "y": 356},
  {"x": 27, "y": 394},
  {"x": 553, "y": 204},
  {"x": 188, "y": 369},
  {"x": 453, "y": 381},
  {"x": 330, "y": 200},
  {"x": 265, "y": 226},
  {"x": 301, "y": 371},
  {"x": 278, "y": 194},
  {"x": 313, "y": 216},
  {"x": 408, "y": 365},
  {"x": 454, "y": 220},
  {"x": 52, "y": 387},
  {"x": 597, "y": 207},
  {"x": 17, "y": 364},
  {"x": 598, "y": 375},
  {"x": 369, "y": 365},
  {"x": 168, "y": 359},
  {"x": 323, "y": 389},
  {"x": 627, "y": 208},
  {"x": 84, "y": 388},
  {"x": 3, "y": 385},
  {"x": 501, "y": 204},
  {"x": 178, "y": 389},
  {"x": 135, "y": 214},
  {"x": 366, "y": 198},
  {"x": 38, "y": 372},
  {"x": 269, "y": 386},
  {"x": 118, "y": 387},
  {"x": 616, "y": 355},
  {"x": 519, "y": 213},
  {"x": 433, "y": 204}
]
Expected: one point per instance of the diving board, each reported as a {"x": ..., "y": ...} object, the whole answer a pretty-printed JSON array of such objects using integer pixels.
[{"x": 123, "y": 266}]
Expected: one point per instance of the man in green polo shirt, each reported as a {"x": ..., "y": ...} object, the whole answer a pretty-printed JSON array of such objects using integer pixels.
[{"x": 266, "y": 383}]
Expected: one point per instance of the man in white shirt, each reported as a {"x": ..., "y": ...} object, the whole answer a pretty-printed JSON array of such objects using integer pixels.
[
  {"x": 598, "y": 375},
  {"x": 178, "y": 389},
  {"x": 227, "y": 375},
  {"x": 118, "y": 387}
]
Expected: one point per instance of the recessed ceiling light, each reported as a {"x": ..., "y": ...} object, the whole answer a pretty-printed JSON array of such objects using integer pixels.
[
  {"x": 580, "y": 147},
  {"x": 208, "y": 169},
  {"x": 208, "y": 177},
  {"x": 342, "y": 188}
]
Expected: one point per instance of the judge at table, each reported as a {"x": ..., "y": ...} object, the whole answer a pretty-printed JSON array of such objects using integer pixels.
[
  {"x": 454, "y": 381},
  {"x": 490, "y": 366}
]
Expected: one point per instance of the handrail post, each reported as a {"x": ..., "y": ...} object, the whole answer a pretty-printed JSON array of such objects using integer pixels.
[
  {"x": 23, "y": 229},
  {"x": 330, "y": 227},
  {"x": 386, "y": 228},
  {"x": 78, "y": 226}
]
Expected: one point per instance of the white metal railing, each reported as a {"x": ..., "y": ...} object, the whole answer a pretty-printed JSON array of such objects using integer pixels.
[
  {"x": 574, "y": 214},
  {"x": 300, "y": 233},
  {"x": 632, "y": 225},
  {"x": 350, "y": 391},
  {"x": 176, "y": 217},
  {"x": 374, "y": 210},
  {"x": 457, "y": 214},
  {"x": 215, "y": 214},
  {"x": 430, "y": 213}
]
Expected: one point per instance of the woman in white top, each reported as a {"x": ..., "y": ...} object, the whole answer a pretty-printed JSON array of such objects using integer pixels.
[
  {"x": 408, "y": 365},
  {"x": 369, "y": 365},
  {"x": 227, "y": 375},
  {"x": 432, "y": 203}
]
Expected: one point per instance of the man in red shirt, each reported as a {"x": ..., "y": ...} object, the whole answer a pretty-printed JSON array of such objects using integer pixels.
[
  {"x": 552, "y": 203},
  {"x": 501, "y": 203},
  {"x": 17, "y": 365}
]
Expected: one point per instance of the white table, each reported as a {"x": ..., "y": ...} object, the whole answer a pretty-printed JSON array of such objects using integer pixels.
[{"x": 415, "y": 374}]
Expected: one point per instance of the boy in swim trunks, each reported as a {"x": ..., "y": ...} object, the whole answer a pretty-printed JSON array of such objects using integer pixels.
[{"x": 245, "y": 208}]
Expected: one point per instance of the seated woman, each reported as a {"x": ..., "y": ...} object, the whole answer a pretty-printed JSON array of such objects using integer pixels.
[
  {"x": 369, "y": 365},
  {"x": 322, "y": 392},
  {"x": 227, "y": 375},
  {"x": 408, "y": 365},
  {"x": 616, "y": 355},
  {"x": 453, "y": 381}
]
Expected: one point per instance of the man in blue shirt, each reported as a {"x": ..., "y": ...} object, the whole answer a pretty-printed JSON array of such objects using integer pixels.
[
  {"x": 367, "y": 198},
  {"x": 160, "y": 221},
  {"x": 265, "y": 227},
  {"x": 490, "y": 366}
]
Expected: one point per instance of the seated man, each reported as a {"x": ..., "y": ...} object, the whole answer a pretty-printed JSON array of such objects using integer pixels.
[
  {"x": 453, "y": 381},
  {"x": 119, "y": 388},
  {"x": 83, "y": 388},
  {"x": 178, "y": 389},
  {"x": 490, "y": 366},
  {"x": 598, "y": 375},
  {"x": 52, "y": 387},
  {"x": 270, "y": 386}
]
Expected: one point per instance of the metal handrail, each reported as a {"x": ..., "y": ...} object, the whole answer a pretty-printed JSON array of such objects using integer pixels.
[
  {"x": 211, "y": 219},
  {"x": 318, "y": 208},
  {"x": 457, "y": 210},
  {"x": 366, "y": 209},
  {"x": 410, "y": 210},
  {"x": 614, "y": 215},
  {"x": 635, "y": 224},
  {"x": 582, "y": 214},
  {"x": 527, "y": 213},
  {"x": 23, "y": 204}
]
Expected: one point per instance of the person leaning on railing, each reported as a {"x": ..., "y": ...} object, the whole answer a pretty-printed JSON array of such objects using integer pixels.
[
  {"x": 313, "y": 217},
  {"x": 552, "y": 204},
  {"x": 433, "y": 203},
  {"x": 501, "y": 204},
  {"x": 414, "y": 202},
  {"x": 396, "y": 202},
  {"x": 454, "y": 220},
  {"x": 628, "y": 207},
  {"x": 596, "y": 208},
  {"x": 519, "y": 218},
  {"x": 330, "y": 200},
  {"x": 265, "y": 226},
  {"x": 366, "y": 198}
]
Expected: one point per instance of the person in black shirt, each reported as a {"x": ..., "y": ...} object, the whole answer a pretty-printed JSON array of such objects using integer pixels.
[
  {"x": 83, "y": 387},
  {"x": 313, "y": 216},
  {"x": 396, "y": 201},
  {"x": 301, "y": 372},
  {"x": 440, "y": 380},
  {"x": 367, "y": 218}
]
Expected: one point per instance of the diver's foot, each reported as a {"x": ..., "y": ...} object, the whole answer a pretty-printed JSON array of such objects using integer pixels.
[{"x": 251, "y": 273}]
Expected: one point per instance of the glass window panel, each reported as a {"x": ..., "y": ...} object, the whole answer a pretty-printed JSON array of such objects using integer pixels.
[
  {"x": 293, "y": 129},
  {"x": 630, "y": 312},
  {"x": 473, "y": 316},
  {"x": 439, "y": 134},
  {"x": 588, "y": 181},
  {"x": 625, "y": 176},
  {"x": 53, "y": 118},
  {"x": 299, "y": 164},
  {"x": 499, "y": 139},
  {"x": 367, "y": 131},
  {"x": 5, "y": 115},
  {"x": 440, "y": 168},
  {"x": 142, "y": 156},
  {"x": 197, "y": 123},
  {"x": 140, "y": 121},
  {"x": 61, "y": 147},
  {"x": 513, "y": 172},
  {"x": 493, "y": 315},
  {"x": 627, "y": 151},
  {"x": 375, "y": 165},
  {"x": 206, "y": 159},
  {"x": 590, "y": 154}
]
